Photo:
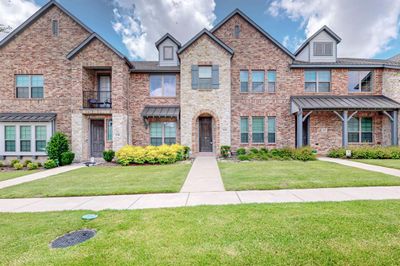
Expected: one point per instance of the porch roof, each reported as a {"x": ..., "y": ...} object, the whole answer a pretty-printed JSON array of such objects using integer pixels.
[
  {"x": 27, "y": 117},
  {"x": 334, "y": 103},
  {"x": 160, "y": 111}
]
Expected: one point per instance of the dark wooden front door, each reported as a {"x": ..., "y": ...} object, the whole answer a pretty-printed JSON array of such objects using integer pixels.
[
  {"x": 97, "y": 138},
  {"x": 205, "y": 134}
]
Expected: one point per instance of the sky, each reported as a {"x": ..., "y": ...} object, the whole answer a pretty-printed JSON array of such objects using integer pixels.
[{"x": 368, "y": 28}]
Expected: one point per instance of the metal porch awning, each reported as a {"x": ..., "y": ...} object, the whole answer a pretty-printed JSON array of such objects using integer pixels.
[
  {"x": 160, "y": 112},
  {"x": 27, "y": 117},
  {"x": 337, "y": 103}
]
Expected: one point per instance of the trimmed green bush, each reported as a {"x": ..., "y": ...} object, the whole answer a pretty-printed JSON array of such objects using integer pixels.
[
  {"x": 241, "y": 151},
  {"x": 281, "y": 154},
  {"x": 243, "y": 157},
  {"x": 18, "y": 166},
  {"x": 367, "y": 152},
  {"x": 108, "y": 155},
  {"x": 303, "y": 154},
  {"x": 225, "y": 151},
  {"x": 67, "y": 158},
  {"x": 50, "y": 164},
  {"x": 14, "y": 162},
  {"x": 186, "y": 152},
  {"x": 263, "y": 150},
  {"x": 57, "y": 145},
  {"x": 337, "y": 153},
  {"x": 32, "y": 166},
  {"x": 26, "y": 162},
  {"x": 1, "y": 164}
]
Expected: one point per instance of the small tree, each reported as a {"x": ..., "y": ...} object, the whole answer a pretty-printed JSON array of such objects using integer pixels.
[{"x": 57, "y": 145}]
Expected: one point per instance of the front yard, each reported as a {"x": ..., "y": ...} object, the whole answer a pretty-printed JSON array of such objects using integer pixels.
[
  {"x": 346, "y": 233},
  {"x": 296, "y": 174},
  {"x": 105, "y": 180},
  {"x": 4, "y": 174},
  {"x": 391, "y": 163}
]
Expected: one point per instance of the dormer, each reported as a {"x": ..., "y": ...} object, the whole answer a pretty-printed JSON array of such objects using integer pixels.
[
  {"x": 320, "y": 47},
  {"x": 167, "y": 48}
]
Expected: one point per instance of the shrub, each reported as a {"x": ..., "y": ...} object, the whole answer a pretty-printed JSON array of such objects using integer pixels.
[
  {"x": 241, "y": 151},
  {"x": 186, "y": 152},
  {"x": 39, "y": 164},
  {"x": 303, "y": 154},
  {"x": 281, "y": 154},
  {"x": 243, "y": 157},
  {"x": 14, "y": 162},
  {"x": 67, "y": 158},
  {"x": 57, "y": 145},
  {"x": 1, "y": 164},
  {"x": 337, "y": 153},
  {"x": 253, "y": 150},
  {"x": 50, "y": 164},
  {"x": 108, "y": 155},
  {"x": 225, "y": 151},
  {"x": 26, "y": 162},
  {"x": 263, "y": 150},
  {"x": 33, "y": 166},
  {"x": 18, "y": 166},
  {"x": 163, "y": 154},
  {"x": 367, "y": 152}
]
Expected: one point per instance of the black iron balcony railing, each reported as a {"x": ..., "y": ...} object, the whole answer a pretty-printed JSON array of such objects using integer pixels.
[{"x": 97, "y": 99}]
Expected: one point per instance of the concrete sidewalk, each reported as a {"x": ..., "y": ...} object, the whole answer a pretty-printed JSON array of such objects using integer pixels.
[
  {"x": 369, "y": 167},
  {"x": 145, "y": 201},
  {"x": 39, "y": 175},
  {"x": 204, "y": 176}
]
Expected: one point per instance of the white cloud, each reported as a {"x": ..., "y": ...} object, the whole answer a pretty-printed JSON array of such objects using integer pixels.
[
  {"x": 365, "y": 26},
  {"x": 142, "y": 22},
  {"x": 14, "y": 12},
  {"x": 292, "y": 43}
]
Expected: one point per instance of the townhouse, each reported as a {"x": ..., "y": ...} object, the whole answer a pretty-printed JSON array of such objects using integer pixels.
[{"x": 231, "y": 85}]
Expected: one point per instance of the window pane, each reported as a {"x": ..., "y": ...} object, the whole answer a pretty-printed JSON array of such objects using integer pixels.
[
  {"x": 353, "y": 137},
  {"x": 324, "y": 76},
  {"x": 168, "y": 53},
  {"x": 169, "y": 85},
  {"x": 155, "y": 85},
  {"x": 37, "y": 81},
  {"x": 40, "y": 145},
  {"x": 170, "y": 130},
  {"x": 37, "y": 92},
  {"x": 366, "y": 124},
  {"x": 23, "y": 92},
  {"x": 310, "y": 76},
  {"x": 323, "y": 86},
  {"x": 205, "y": 83},
  {"x": 204, "y": 71},
  {"x": 271, "y": 129},
  {"x": 353, "y": 125},
  {"x": 41, "y": 136},
  {"x": 9, "y": 145},
  {"x": 353, "y": 81},
  {"x": 155, "y": 129},
  {"x": 258, "y": 129},
  {"x": 109, "y": 129},
  {"x": 9, "y": 132},
  {"x": 25, "y": 132},
  {"x": 22, "y": 81},
  {"x": 271, "y": 76},
  {"x": 311, "y": 87},
  {"x": 366, "y": 80},
  {"x": 244, "y": 81},
  {"x": 366, "y": 137},
  {"x": 156, "y": 141},
  {"x": 244, "y": 129},
  {"x": 25, "y": 145},
  {"x": 258, "y": 81}
]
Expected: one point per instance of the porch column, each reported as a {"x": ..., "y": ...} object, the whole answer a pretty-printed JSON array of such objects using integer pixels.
[
  {"x": 395, "y": 128},
  {"x": 299, "y": 135},
  {"x": 345, "y": 141}
]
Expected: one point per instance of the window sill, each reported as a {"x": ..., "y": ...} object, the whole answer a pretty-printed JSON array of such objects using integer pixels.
[{"x": 30, "y": 99}]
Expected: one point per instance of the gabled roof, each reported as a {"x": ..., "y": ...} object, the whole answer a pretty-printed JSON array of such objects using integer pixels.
[
  {"x": 209, "y": 34},
  {"x": 93, "y": 36},
  {"x": 324, "y": 28},
  {"x": 36, "y": 15},
  {"x": 255, "y": 25},
  {"x": 167, "y": 36},
  {"x": 349, "y": 63}
]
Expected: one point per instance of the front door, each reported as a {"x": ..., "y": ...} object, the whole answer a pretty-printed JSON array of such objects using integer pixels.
[
  {"x": 205, "y": 134},
  {"x": 97, "y": 138}
]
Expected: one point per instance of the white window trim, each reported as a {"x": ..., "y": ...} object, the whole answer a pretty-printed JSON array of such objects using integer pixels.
[
  {"x": 359, "y": 81},
  {"x": 17, "y": 125},
  {"x": 252, "y": 81},
  {"x": 162, "y": 85},
  {"x": 317, "y": 81}
]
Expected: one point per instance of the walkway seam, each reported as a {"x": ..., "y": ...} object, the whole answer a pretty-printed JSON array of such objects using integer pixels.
[
  {"x": 237, "y": 195},
  {"x": 141, "y": 196},
  {"x": 187, "y": 199},
  {"x": 26, "y": 205},
  {"x": 92, "y": 198}
]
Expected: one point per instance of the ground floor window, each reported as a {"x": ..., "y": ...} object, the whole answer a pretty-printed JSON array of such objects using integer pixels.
[
  {"x": 24, "y": 138},
  {"x": 109, "y": 129},
  {"x": 360, "y": 130},
  {"x": 244, "y": 130},
  {"x": 162, "y": 133},
  {"x": 271, "y": 129},
  {"x": 258, "y": 129}
]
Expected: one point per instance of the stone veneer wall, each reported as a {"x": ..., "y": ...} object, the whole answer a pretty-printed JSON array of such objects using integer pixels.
[
  {"x": 217, "y": 102},
  {"x": 391, "y": 89}
]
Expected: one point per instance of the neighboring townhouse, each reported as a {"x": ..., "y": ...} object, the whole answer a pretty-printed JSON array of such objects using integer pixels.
[{"x": 231, "y": 85}]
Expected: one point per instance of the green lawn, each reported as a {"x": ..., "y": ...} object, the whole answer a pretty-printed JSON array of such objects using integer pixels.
[
  {"x": 346, "y": 233},
  {"x": 391, "y": 163},
  {"x": 296, "y": 174},
  {"x": 104, "y": 181},
  {"x": 13, "y": 174}
]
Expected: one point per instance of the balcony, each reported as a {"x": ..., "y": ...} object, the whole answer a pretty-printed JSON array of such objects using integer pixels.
[{"x": 97, "y": 99}]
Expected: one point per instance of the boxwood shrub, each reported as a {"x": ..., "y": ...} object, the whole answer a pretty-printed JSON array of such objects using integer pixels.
[
  {"x": 302, "y": 154},
  {"x": 367, "y": 152}
]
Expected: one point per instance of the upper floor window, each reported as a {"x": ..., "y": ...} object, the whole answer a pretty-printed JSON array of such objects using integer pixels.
[
  {"x": 162, "y": 85},
  {"x": 244, "y": 81},
  {"x": 54, "y": 27},
  {"x": 360, "y": 130},
  {"x": 360, "y": 81},
  {"x": 317, "y": 81},
  {"x": 323, "y": 48},
  {"x": 271, "y": 80},
  {"x": 162, "y": 133},
  {"x": 237, "y": 31},
  {"x": 257, "y": 80},
  {"x": 205, "y": 77},
  {"x": 29, "y": 86},
  {"x": 168, "y": 52}
]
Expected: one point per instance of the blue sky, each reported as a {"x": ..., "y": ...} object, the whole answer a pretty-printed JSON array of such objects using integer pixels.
[{"x": 285, "y": 20}]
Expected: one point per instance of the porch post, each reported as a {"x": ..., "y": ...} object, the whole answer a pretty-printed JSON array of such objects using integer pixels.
[
  {"x": 299, "y": 134},
  {"x": 344, "y": 129},
  {"x": 395, "y": 128}
]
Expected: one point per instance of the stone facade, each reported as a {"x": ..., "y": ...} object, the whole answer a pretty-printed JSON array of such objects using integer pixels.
[{"x": 213, "y": 102}]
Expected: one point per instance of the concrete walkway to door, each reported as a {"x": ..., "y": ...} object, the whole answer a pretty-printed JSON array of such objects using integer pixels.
[{"x": 204, "y": 176}]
